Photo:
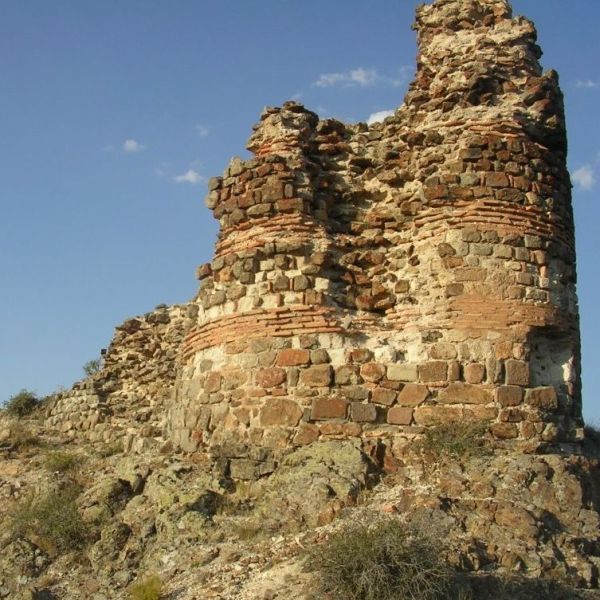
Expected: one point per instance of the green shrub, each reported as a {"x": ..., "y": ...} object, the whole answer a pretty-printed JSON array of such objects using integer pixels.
[
  {"x": 51, "y": 520},
  {"x": 92, "y": 366},
  {"x": 60, "y": 461},
  {"x": 21, "y": 404},
  {"x": 382, "y": 561},
  {"x": 149, "y": 588},
  {"x": 455, "y": 440}
]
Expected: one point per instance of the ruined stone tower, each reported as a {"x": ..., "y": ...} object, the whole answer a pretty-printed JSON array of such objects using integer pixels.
[{"x": 370, "y": 281}]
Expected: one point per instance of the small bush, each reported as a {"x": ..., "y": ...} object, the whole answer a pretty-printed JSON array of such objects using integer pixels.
[
  {"x": 92, "y": 366},
  {"x": 149, "y": 588},
  {"x": 51, "y": 520},
  {"x": 455, "y": 440},
  {"x": 60, "y": 461},
  {"x": 382, "y": 561},
  {"x": 21, "y": 404},
  {"x": 21, "y": 437}
]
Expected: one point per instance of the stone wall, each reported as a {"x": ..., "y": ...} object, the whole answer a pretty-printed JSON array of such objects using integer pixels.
[
  {"x": 125, "y": 402},
  {"x": 370, "y": 281}
]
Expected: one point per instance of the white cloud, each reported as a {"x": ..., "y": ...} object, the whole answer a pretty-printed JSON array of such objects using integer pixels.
[
  {"x": 202, "y": 130},
  {"x": 584, "y": 177},
  {"x": 586, "y": 83},
  {"x": 379, "y": 116},
  {"x": 190, "y": 176},
  {"x": 356, "y": 77},
  {"x": 132, "y": 146},
  {"x": 364, "y": 78}
]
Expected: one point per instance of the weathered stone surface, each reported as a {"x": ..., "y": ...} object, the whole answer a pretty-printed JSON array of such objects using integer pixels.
[
  {"x": 279, "y": 411},
  {"x": 474, "y": 373},
  {"x": 372, "y": 372},
  {"x": 413, "y": 394},
  {"x": 400, "y": 415},
  {"x": 464, "y": 393},
  {"x": 317, "y": 376},
  {"x": 542, "y": 397},
  {"x": 509, "y": 395},
  {"x": 293, "y": 358},
  {"x": 383, "y": 396},
  {"x": 402, "y": 372},
  {"x": 436, "y": 370},
  {"x": 269, "y": 378},
  {"x": 328, "y": 408},
  {"x": 363, "y": 413},
  {"x": 517, "y": 372}
]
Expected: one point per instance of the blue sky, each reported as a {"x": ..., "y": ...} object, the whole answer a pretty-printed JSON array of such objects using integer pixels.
[{"x": 113, "y": 114}]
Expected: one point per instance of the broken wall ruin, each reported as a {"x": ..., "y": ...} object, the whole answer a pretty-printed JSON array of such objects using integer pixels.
[{"x": 371, "y": 281}]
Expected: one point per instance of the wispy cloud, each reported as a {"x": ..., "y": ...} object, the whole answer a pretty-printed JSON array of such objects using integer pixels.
[
  {"x": 190, "y": 176},
  {"x": 132, "y": 146},
  {"x": 584, "y": 177},
  {"x": 363, "y": 78},
  {"x": 586, "y": 84},
  {"x": 202, "y": 130},
  {"x": 356, "y": 77},
  {"x": 379, "y": 116}
]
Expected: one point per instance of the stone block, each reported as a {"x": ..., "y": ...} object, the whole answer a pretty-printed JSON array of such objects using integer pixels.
[
  {"x": 474, "y": 373},
  {"x": 280, "y": 411},
  {"x": 505, "y": 431},
  {"x": 402, "y": 372},
  {"x": 213, "y": 382},
  {"x": 465, "y": 393},
  {"x": 363, "y": 413},
  {"x": 234, "y": 379},
  {"x": 427, "y": 415},
  {"x": 346, "y": 374},
  {"x": 319, "y": 356},
  {"x": 544, "y": 398},
  {"x": 435, "y": 370},
  {"x": 496, "y": 180},
  {"x": 372, "y": 372},
  {"x": 355, "y": 392},
  {"x": 517, "y": 372},
  {"x": 290, "y": 357},
  {"x": 328, "y": 408},
  {"x": 383, "y": 396},
  {"x": 400, "y": 415},
  {"x": 509, "y": 395},
  {"x": 413, "y": 394},
  {"x": 316, "y": 376},
  {"x": 443, "y": 351},
  {"x": 360, "y": 355},
  {"x": 306, "y": 434},
  {"x": 268, "y": 378}
]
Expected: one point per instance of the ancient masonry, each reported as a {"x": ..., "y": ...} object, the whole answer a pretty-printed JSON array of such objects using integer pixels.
[{"x": 372, "y": 281}]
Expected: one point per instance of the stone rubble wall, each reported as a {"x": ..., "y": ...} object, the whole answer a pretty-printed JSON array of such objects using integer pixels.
[
  {"x": 370, "y": 281},
  {"x": 125, "y": 401}
]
